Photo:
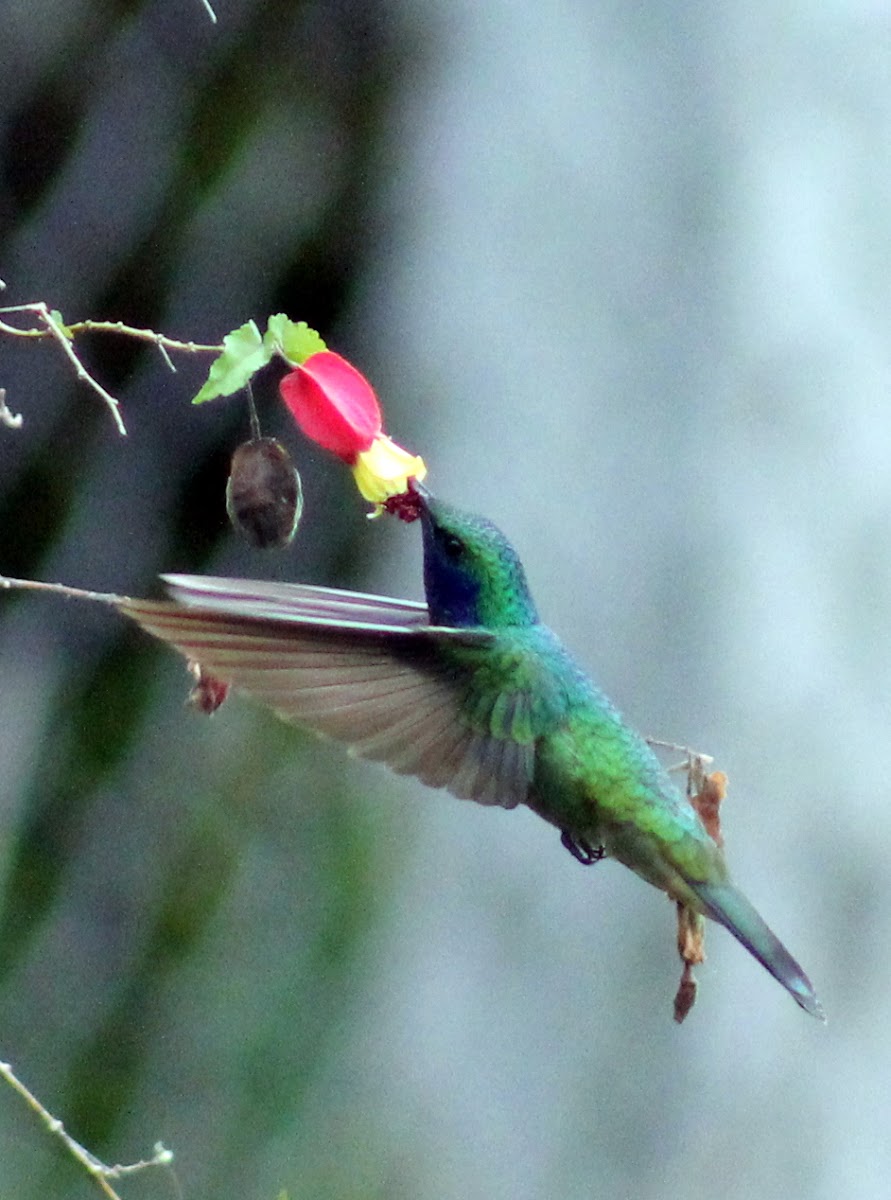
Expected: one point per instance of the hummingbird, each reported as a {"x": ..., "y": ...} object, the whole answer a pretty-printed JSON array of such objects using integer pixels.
[{"x": 471, "y": 692}]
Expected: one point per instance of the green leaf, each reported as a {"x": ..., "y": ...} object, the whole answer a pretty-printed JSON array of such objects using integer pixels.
[
  {"x": 244, "y": 353},
  {"x": 294, "y": 340},
  {"x": 56, "y": 318}
]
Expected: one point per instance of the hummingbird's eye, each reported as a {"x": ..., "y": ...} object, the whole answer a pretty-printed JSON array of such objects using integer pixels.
[{"x": 453, "y": 546}]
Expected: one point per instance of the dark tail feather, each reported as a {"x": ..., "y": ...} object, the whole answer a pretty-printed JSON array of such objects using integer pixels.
[{"x": 730, "y": 907}]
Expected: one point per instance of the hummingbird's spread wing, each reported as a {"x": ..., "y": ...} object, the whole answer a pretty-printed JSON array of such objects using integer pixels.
[
  {"x": 293, "y": 601},
  {"x": 366, "y": 670}
]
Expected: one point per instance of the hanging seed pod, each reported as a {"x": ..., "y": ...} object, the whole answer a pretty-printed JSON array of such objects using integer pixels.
[{"x": 264, "y": 497}]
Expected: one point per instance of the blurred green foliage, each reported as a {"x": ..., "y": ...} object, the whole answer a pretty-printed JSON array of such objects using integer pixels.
[{"x": 124, "y": 140}]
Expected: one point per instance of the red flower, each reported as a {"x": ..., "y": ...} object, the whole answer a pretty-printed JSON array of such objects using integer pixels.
[{"x": 334, "y": 404}]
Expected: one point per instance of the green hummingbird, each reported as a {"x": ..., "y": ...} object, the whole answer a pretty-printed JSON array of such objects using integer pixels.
[{"x": 470, "y": 692}]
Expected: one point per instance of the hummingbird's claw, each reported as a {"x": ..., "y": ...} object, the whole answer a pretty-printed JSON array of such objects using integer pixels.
[{"x": 582, "y": 850}]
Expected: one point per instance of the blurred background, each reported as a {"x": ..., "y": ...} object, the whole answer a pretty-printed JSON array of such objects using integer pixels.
[{"x": 622, "y": 273}]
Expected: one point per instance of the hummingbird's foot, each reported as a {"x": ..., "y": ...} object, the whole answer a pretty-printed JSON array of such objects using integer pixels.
[{"x": 586, "y": 854}]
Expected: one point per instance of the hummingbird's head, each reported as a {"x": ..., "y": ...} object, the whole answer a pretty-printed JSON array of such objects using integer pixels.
[{"x": 472, "y": 574}]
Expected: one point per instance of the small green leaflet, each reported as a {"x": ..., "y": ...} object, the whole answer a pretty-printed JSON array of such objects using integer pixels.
[
  {"x": 245, "y": 352},
  {"x": 56, "y": 318},
  {"x": 294, "y": 340}
]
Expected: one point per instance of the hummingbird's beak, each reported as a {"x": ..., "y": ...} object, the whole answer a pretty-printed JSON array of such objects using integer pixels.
[{"x": 422, "y": 499}]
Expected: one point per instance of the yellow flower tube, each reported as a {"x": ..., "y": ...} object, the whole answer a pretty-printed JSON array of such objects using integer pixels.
[{"x": 384, "y": 469}]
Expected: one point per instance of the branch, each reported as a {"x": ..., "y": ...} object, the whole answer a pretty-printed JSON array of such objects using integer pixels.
[
  {"x": 10, "y": 419},
  {"x": 55, "y": 329},
  {"x": 53, "y": 326},
  {"x": 58, "y": 589},
  {"x": 91, "y": 1164},
  {"x": 146, "y": 335},
  {"x": 694, "y": 763}
]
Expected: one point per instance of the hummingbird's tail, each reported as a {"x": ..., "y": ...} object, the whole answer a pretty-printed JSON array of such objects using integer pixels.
[{"x": 725, "y": 904}]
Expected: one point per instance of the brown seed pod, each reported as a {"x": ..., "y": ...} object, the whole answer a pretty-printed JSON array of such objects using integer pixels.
[{"x": 264, "y": 497}]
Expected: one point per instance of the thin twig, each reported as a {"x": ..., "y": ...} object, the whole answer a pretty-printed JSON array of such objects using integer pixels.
[
  {"x": 40, "y": 308},
  {"x": 58, "y": 589},
  {"x": 659, "y": 744},
  {"x": 10, "y": 419},
  {"x": 14, "y": 331},
  {"x": 94, "y": 1166},
  {"x": 146, "y": 335},
  {"x": 210, "y": 11},
  {"x": 63, "y": 334},
  {"x": 56, "y": 330},
  {"x": 162, "y": 350},
  {"x": 252, "y": 412},
  {"x": 160, "y": 340},
  {"x": 693, "y": 762}
]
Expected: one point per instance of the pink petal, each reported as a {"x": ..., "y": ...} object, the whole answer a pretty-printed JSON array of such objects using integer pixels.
[{"x": 333, "y": 403}]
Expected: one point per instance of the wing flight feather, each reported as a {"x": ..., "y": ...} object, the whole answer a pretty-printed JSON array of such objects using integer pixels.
[{"x": 365, "y": 670}]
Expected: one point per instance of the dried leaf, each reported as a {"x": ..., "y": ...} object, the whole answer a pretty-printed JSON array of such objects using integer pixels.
[
  {"x": 707, "y": 803},
  {"x": 685, "y": 996},
  {"x": 710, "y": 791},
  {"x": 691, "y": 948}
]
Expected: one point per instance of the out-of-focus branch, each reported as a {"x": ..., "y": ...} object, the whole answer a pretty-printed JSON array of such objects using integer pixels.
[
  {"x": 58, "y": 589},
  {"x": 91, "y": 1164}
]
